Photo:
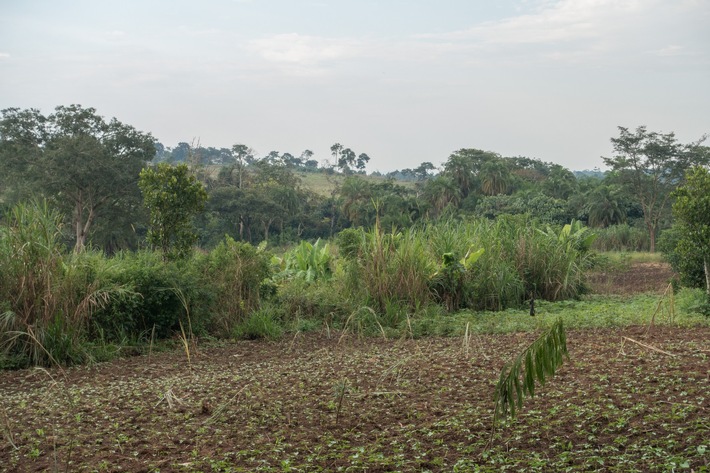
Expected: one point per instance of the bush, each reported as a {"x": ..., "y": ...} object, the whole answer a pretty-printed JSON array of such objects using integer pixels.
[
  {"x": 321, "y": 300},
  {"x": 684, "y": 261},
  {"x": 157, "y": 296},
  {"x": 235, "y": 273},
  {"x": 515, "y": 258},
  {"x": 47, "y": 299}
]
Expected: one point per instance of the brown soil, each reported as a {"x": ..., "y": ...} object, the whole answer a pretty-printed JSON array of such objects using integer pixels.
[
  {"x": 326, "y": 404},
  {"x": 633, "y": 279}
]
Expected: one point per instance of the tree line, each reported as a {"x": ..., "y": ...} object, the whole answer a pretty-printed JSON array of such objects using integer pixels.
[{"x": 89, "y": 168}]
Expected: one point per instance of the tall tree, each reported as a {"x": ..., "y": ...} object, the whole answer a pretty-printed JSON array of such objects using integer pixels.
[
  {"x": 605, "y": 206},
  {"x": 173, "y": 198},
  {"x": 335, "y": 152},
  {"x": 87, "y": 165},
  {"x": 347, "y": 160},
  {"x": 560, "y": 183},
  {"x": 652, "y": 165},
  {"x": 362, "y": 160},
  {"x": 440, "y": 192},
  {"x": 422, "y": 171}
]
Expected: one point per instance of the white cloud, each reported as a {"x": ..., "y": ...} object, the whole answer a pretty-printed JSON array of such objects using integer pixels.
[
  {"x": 675, "y": 50},
  {"x": 593, "y": 31},
  {"x": 565, "y": 20},
  {"x": 304, "y": 50},
  {"x": 4, "y": 55}
]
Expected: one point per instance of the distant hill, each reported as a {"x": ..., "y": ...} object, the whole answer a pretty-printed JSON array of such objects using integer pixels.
[
  {"x": 323, "y": 184},
  {"x": 596, "y": 173}
]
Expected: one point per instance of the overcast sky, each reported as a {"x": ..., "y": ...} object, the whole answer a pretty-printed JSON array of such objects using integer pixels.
[{"x": 405, "y": 81}]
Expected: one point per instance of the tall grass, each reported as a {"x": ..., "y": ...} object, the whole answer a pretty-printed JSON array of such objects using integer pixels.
[
  {"x": 47, "y": 299},
  {"x": 235, "y": 273},
  {"x": 389, "y": 267},
  {"x": 621, "y": 238},
  {"x": 427, "y": 265}
]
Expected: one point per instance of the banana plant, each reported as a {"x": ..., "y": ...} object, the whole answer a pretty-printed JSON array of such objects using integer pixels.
[
  {"x": 448, "y": 283},
  {"x": 574, "y": 235},
  {"x": 307, "y": 261}
]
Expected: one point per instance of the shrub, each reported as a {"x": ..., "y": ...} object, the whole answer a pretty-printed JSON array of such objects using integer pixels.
[
  {"x": 390, "y": 267},
  {"x": 684, "y": 261},
  {"x": 235, "y": 273},
  {"x": 320, "y": 300},
  {"x": 157, "y": 296}
]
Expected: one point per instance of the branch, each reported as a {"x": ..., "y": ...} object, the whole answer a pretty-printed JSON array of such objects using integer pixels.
[
  {"x": 648, "y": 346},
  {"x": 539, "y": 360}
]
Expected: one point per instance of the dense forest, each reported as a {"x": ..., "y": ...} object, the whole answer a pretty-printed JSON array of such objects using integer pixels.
[{"x": 160, "y": 234}]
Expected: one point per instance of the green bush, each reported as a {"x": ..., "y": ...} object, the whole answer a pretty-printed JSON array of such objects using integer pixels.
[
  {"x": 158, "y": 295},
  {"x": 390, "y": 267},
  {"x": 326, "y": 301},
  {"x": 516, "y": 258},
  {"x": 684, "y": 261},
  {"x": 47, "y": 298},
  {"x": 235, "y": 274}
]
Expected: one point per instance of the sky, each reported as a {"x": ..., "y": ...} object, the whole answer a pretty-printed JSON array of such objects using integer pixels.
[{"x": 406, "y": 82}]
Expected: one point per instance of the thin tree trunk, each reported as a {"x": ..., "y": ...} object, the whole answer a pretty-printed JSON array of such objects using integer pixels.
[
  {"x": 706, "y": 264},
  {"x": 78, "y": 217},
  {"x": 652, "y": 237}
]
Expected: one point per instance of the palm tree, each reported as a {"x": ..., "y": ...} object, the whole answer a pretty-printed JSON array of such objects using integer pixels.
[
  {"x": 605, "y": 207},
  {"x": 495, "y": 178},
  {"x": 460, "y": 169},
  {"x": 353, "y": 192},
  {"x": 441, "y": 192}
]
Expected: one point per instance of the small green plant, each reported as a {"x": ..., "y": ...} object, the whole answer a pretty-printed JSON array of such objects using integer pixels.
[
  {"x": 262, "y": 323},
  {"x": 340, "y": 389}
]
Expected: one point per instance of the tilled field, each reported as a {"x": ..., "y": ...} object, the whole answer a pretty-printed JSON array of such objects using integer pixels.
[{"x": 317, "y": 403}]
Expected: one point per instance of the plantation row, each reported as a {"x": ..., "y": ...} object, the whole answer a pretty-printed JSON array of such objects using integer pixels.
[{"x": 58, "y": 306}]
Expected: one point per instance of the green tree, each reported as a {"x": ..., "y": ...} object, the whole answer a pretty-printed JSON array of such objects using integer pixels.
[
  {"x": 692, "y": 208},
  {"x": 495, "y": 178},
  {"x": 560, "y": 183},
  {"x": 346, "y": 160},
  {"x": 605, "y": 206},
  {"x": 463, "y": 167},
  {"x": 422, "y": 171},
  {"x": 173, "y": 198},
  {"x": 362, "y": 160},
  {"x": 440, "y": 193},
  {"x": 88, "y": 166},
  {"x": 22, "y": 138},
  {"x": 651, "y": 165},
  {"x": 335, "y": 151}
]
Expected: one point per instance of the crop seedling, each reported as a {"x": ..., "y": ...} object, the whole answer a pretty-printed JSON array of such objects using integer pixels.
[{"x": 340, "y": 389}]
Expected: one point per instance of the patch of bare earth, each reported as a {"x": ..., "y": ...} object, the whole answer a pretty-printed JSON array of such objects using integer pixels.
[
  {"x": 637, "y": 277},
  {"x": 313, "y": 403}
]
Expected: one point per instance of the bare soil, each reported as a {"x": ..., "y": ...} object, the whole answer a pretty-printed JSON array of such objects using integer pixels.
[{"x": 633, "y": 279}]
